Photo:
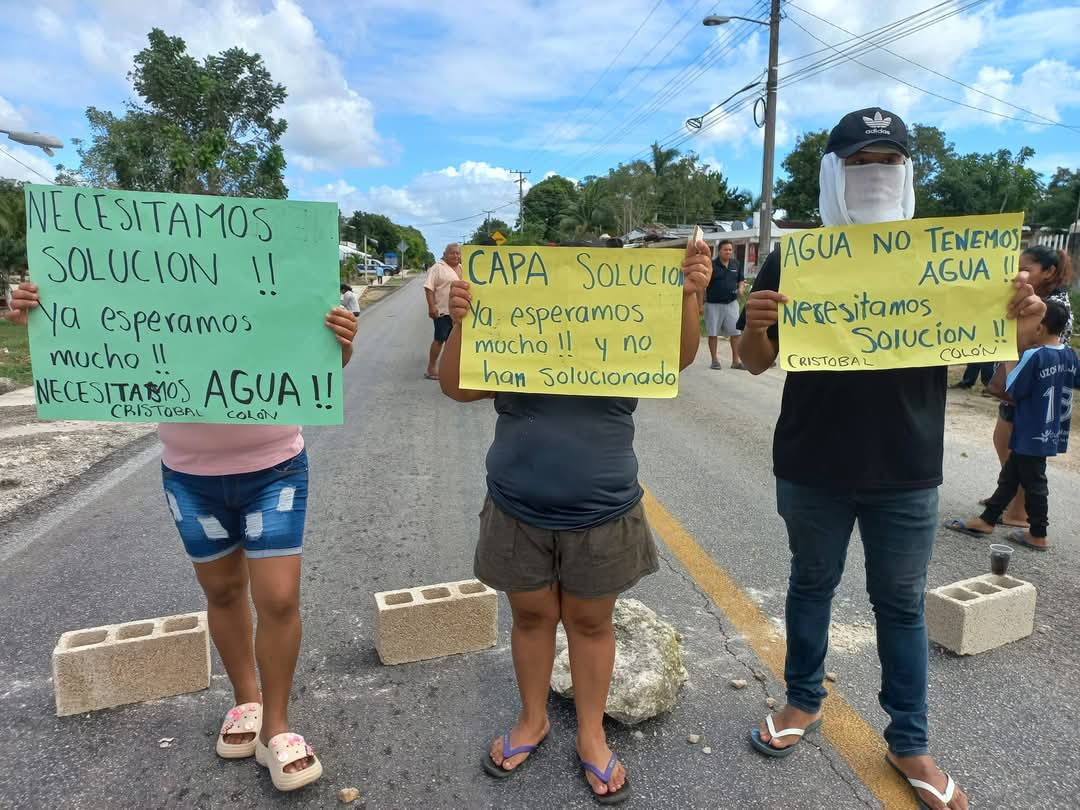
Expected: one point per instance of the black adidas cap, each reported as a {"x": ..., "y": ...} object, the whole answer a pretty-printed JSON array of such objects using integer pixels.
[{"x": 862, "y": 128}]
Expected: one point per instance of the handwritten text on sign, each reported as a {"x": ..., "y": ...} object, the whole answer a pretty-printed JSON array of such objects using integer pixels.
[
  {"x": 924, "y": 292},
  {"x": 589, "y": 321},
  {"x": 180, "y": 308}
]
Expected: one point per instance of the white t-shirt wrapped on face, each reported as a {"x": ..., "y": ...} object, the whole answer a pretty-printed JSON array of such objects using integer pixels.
[{"x": 878, "y": 192}]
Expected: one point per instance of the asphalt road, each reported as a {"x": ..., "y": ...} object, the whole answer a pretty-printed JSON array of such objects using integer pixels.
[{"x": 396, "y": 492}]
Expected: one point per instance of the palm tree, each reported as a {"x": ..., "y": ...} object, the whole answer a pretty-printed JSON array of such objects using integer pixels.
[
  {"x": 662, "y": 159},
  {"x": 589, "y": 211}
]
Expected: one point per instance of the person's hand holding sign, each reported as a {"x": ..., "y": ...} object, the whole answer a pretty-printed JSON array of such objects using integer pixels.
[
  {"x": 344, "y": 325},
  {"x": 697, "y": 273},
  {"x": 762, "y": 311},
  {"x": 23, "y": 299},
  {"x": 1027, "y": 308},
  {"x": 460, "y": 301}
]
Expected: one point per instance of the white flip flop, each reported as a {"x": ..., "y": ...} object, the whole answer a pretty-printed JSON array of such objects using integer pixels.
[
  {"x": 243, "y": 719},
  {"x": 284, "y": 749}
]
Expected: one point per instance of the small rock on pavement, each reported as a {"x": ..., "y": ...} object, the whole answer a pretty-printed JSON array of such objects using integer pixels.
[
  {"x": 348, "y": 795},
  {"x": 694, "y": 739},
  {"x": 770, "y": 702},
  {"x": 830, "y": 677},
  {"x": 738, "y": 683},
  {"x": 166, "y": 742},
  {"x": 760, "y": 675},
  {"x": 706, "y": 750},
  {"x": 649, "y": 670},
  {"x": 638, "y": 735}
]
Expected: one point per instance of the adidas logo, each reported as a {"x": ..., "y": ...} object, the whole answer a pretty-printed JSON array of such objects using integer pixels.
[{"x": 877, "y": 125}]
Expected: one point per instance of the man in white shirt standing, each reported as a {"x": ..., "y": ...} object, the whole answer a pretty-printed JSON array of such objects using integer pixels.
[{"x": 437, "y": 290}]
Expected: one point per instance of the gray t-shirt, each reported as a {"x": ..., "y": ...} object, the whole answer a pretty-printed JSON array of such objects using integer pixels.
[{"x": 563, "y": 462}]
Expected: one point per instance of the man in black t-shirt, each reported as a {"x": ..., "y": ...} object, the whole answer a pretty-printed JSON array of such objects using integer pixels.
[
  {"x": 861, "y": 446},
  {"x": 722, "y": 302}
]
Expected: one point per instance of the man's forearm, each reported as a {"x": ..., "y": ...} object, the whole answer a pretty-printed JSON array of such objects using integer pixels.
[
  {"x": 757, "y": 350},
  {"x": 691, "y": 331},
  {"x": 430, "y": 299},
  {"x": 450, "y": 371}
]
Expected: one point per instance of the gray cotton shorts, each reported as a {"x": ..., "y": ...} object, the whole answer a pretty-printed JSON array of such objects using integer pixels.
[
  {"x": 590, "y": 564},
  {"x": 721, "y": 319}
]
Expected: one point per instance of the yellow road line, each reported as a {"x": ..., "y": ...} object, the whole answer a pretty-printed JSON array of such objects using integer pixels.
[{"x": 845, "y": 729}]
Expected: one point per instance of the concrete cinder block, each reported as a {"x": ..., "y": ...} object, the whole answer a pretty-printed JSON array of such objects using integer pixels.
[
  {"x": 430, "y": 621},
  {"x": 117, "y": 664},
  {"x": 978, "y": 614}
]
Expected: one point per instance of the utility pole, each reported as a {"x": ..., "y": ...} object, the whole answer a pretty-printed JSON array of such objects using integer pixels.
[
  {"x": 521, "y": 195},
  {"x": 765, "y": 227}
]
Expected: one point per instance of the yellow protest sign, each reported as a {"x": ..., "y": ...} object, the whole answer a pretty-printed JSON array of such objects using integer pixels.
[
  {"x": 589, "y": 321},
  {"x": 923, "y": 292}
]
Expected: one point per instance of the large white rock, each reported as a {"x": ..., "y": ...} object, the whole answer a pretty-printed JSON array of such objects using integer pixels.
[{"x": 648, "y": 665}]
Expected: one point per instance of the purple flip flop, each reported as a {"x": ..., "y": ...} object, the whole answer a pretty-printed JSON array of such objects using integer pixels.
[
  {"x": 621, "y": 795},
  {"x": 500, "y": 772}
]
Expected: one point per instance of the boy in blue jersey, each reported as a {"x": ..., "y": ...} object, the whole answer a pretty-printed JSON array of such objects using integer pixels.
[{"x": 1041, "y": 386}]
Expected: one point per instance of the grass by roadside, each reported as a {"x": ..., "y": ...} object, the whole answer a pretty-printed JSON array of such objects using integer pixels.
[{"x": 15, "y": 353}]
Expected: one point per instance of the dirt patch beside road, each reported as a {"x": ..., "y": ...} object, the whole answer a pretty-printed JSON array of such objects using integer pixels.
[{"x": 39, "y": 458}]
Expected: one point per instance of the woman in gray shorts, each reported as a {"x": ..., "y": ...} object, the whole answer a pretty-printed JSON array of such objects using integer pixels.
[{"x": 563, "y": 533}]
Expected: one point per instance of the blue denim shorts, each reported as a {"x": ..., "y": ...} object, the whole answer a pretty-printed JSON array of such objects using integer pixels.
[{"x": 261, "y": 511}]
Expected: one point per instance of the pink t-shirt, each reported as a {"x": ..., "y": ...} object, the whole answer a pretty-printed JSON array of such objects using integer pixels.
[{"x": 204, "y": 449}]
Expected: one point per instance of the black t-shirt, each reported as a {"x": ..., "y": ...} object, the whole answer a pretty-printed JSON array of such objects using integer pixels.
[
  {"x": 843, "y": 430},
  {"x": 724, "y": 286}
]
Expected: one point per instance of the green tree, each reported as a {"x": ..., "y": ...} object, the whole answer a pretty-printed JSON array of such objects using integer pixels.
[
  {"x": 985, "y": 184},
  {"x": 204, "y": 127},
  {"x": 544, "y": 206},
  {"x": 487, "y": 228},
  {"x": 662, "y": 159},
  {"x": 930, "y": 153},
  {"x": 12, "y": 233},
  {"x": 589, "y": 212},
  {"x": 798, "y": 193},
  {"x": 1057, "y": 208}
]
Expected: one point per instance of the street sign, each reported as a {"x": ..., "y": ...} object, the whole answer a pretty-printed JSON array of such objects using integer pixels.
[
  {"x": 402, "y": 247},
  {"x": 390, "y": 259},
  {"x": 499, "y": 238}
]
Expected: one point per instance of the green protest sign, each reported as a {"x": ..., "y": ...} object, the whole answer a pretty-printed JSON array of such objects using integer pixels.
[{"x": 182, "y": 308}]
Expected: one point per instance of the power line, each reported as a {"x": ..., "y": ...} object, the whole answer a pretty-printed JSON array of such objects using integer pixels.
[
  {"x": 923, "y": 89},
  {"x": 1049, "y": 121},
  {"x": 672, "y": 88},
  {"x": 25, "y": 166},
  {"x": 891, "y": 32},
  {"x": 566, "y": 118},
  {"x": 462, "y": 219}
]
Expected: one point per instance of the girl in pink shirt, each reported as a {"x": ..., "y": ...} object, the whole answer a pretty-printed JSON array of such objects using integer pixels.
[{"x": 238, "y": 496}]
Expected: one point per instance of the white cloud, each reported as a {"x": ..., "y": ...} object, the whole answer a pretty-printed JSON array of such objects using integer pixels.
[
  {"x": 36, "y": 169},
  {"x": 460, "y": 193},
  {"x": 331, "y": 126},
  {"x": 10, "y": 118}
]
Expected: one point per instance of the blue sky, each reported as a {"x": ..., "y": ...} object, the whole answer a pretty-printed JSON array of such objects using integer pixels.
[{"x": 420, "y": 109}]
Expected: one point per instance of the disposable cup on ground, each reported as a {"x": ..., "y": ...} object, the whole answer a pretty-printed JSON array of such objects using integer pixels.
[{"x": 999, "y": 559}]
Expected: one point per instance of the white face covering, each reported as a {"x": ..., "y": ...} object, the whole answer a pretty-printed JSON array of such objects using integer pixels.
[
  {"x": 874, "y": 192},
  {"x": 864, "y": 194}
]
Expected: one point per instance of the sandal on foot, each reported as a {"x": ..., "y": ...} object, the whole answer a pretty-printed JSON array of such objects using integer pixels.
[
  {"x": 243, "y": 719},
  {"x": 282, "y": 750},
  {"x": 1018, "y": 538},
  {"x": 616, "y": 797},
  {"x": 498, "y": 771},
  {"x": 918, "y": 784},
  {"x": 960, "y": 526},
  {"x": 768, "y": 749}
]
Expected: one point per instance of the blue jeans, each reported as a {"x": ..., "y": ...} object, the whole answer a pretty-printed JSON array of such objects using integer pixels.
[
  {"x": 262, "y": 511},
  {"x": 898, "y": 528}
]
